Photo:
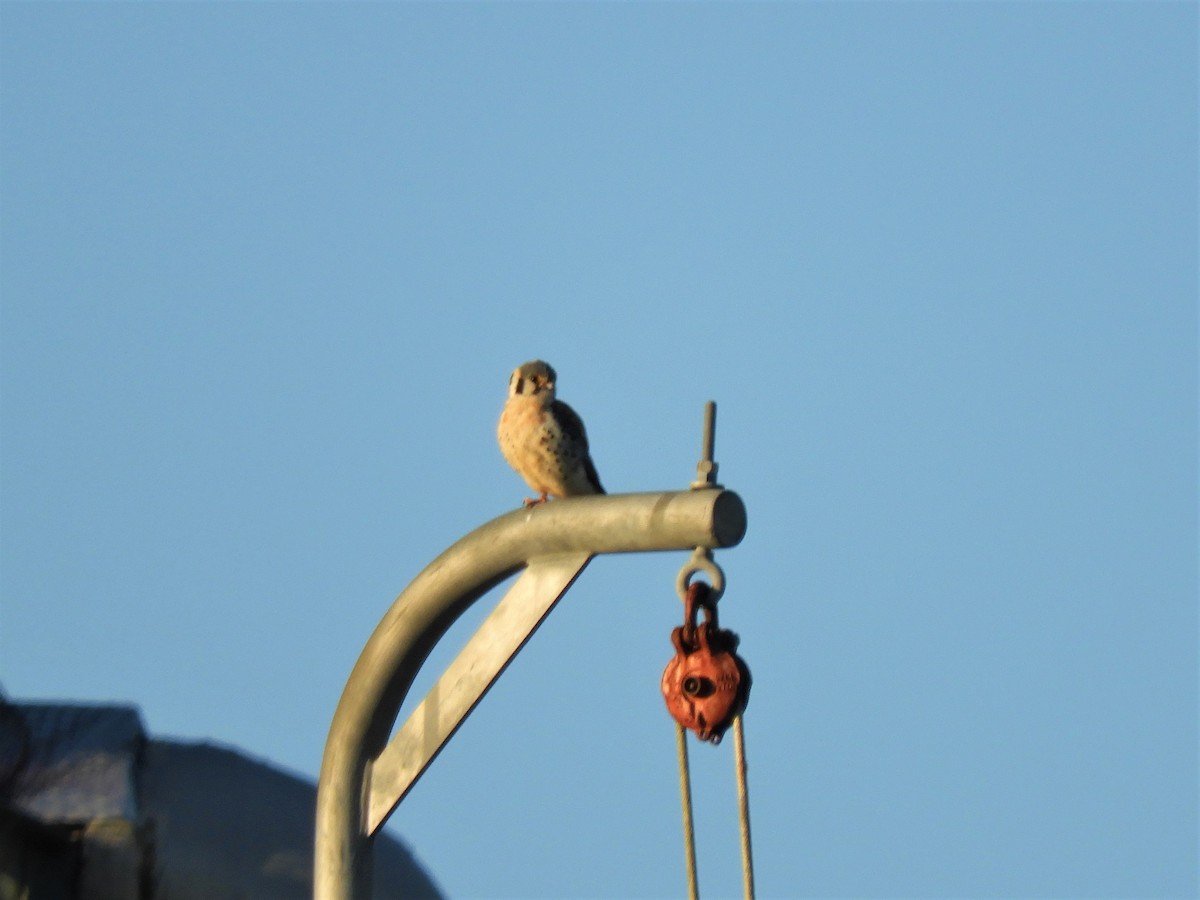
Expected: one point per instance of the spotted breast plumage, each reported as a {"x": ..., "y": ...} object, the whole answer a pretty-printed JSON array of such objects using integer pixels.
[{"x": 543, "y": 439}]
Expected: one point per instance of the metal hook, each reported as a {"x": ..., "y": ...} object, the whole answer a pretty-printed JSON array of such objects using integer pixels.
[{"x": 701, "y": 561}]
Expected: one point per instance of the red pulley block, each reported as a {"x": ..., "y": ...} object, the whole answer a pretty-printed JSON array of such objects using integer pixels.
[{"x": 707, "y": 683}]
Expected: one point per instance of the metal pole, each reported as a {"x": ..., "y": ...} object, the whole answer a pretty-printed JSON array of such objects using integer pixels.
[{"x": 419, "y": 617}]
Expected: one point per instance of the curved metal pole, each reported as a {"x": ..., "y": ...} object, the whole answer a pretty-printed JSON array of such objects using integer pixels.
[{"x": 419, "y": 617}]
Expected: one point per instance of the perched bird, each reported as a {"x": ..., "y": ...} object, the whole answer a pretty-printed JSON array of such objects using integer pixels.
[{"x": 543, "y": 439}]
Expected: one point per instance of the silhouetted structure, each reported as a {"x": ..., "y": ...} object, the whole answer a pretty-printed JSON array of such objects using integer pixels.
[{"x": 93, "y": 809}]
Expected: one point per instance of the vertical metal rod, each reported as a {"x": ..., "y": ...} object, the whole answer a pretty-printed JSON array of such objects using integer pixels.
[
  {"x": 710, "y": 429},
  {"x": 739, "y": 758},
  {"x": 689, "y": 831},
  {"x": 706, "y": 469}
]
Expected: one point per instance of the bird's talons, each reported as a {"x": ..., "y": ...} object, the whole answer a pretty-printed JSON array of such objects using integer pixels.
[{"x": 529, "y": 501}]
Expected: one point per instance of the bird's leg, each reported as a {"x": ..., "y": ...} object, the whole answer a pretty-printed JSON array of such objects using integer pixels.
[{"x": 529, "y": 501}]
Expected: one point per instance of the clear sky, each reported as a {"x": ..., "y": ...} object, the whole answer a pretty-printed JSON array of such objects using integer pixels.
[{"x": 266, "y": 269}]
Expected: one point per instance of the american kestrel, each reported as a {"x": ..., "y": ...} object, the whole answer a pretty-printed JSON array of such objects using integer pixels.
[{"x": 543, "y": 439}]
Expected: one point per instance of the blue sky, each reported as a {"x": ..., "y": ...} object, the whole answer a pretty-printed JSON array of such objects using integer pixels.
[{"x": 266, "y": 268}]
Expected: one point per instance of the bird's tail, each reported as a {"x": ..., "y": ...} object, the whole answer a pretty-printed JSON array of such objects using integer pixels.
[{"x": 592, "y": 476}]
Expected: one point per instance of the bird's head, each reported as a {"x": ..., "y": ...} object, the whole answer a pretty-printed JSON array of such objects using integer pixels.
[{"x": 533, "y": 379}]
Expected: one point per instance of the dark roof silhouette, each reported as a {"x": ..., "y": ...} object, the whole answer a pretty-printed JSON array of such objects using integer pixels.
[{"x": 92, "y": 807}]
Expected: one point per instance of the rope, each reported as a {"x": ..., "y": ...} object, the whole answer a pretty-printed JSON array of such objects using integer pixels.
[
  {"x": 739, "y": 758},
  {"x": 685, "y": 792}
]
